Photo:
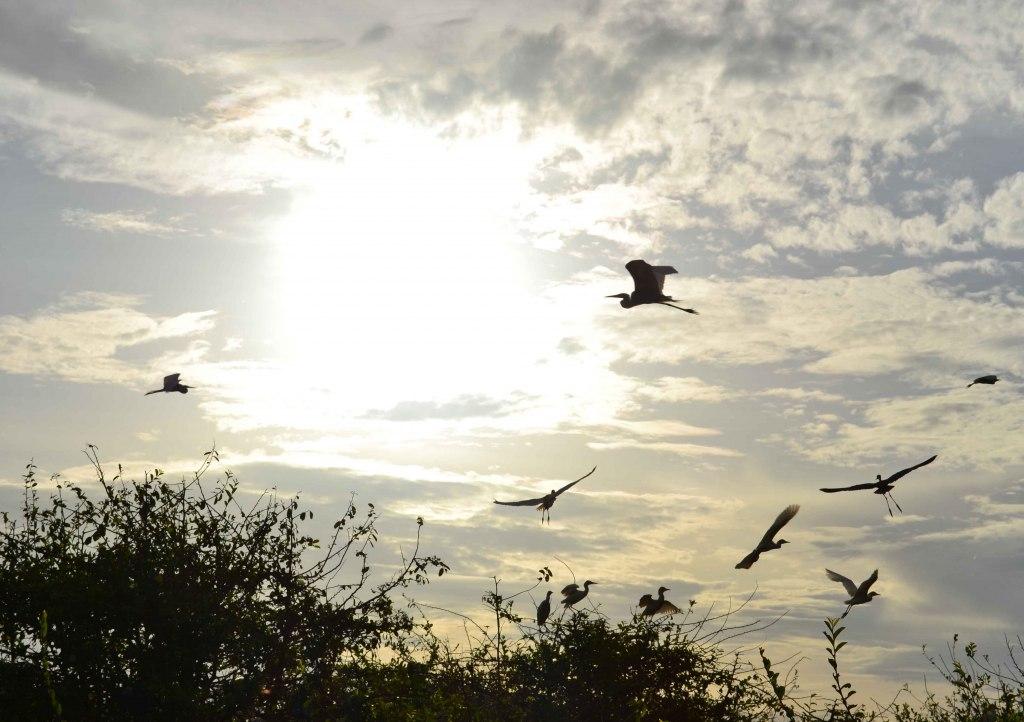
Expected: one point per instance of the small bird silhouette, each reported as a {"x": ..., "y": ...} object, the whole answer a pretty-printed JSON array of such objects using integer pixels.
[
  {"x": 544, "y": 609},
  {"x": 648, "y": 286},
  {"x": 990, "y": 379},
  {"x": 883, "y": 486},
  {"x": 171, "y": 384},
  {"x": 657, "y": 606},
  {"x": 768, "y": 542},
  {"x": 572, "y": 593},
  {"x": 858, "y": 594},
  {"x": 544, "y": 503}
]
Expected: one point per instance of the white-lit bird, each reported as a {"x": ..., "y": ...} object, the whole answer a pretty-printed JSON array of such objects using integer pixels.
[
  {"x": 648, "y": 286},
  {"x": 858, "y": 594},
  {"x": 544, "y": 609},
  {"x": 652, "y": 606},
  {"x": 883, "y": 486},
  {"x": 768, "y": 542},
  {"x": 572, "y": 593},
  {"x": 171, "y": 384},
  {"x": 989, "y": 380},
  {"x": 544, "y": 503}
]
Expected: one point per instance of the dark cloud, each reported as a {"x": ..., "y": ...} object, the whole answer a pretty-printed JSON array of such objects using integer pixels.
[{"x": 378, "y": 32}]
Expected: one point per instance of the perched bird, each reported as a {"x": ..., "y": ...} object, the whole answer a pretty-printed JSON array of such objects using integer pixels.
[
  {"x": 768, "y": 542},
  {"x": 544, "y": 609},
  {"x": 572, "y": 593},
  {"x": 648, "y": 286},
  {"x": 858, "y": 595},
  {"x": 544, "y": 503},
  {"x": 883, "y": 486},
  {"x": 171, "y": 384},
  {"x": 990, "y": 379},
  {"x": 657, "y": 606}
]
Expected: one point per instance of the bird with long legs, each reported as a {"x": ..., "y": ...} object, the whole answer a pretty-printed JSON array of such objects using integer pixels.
[
  {"x": 648, "y": 286},
  {"x": 171, "y": 384},
  {"x": 652, "y": 606},
  {"x": 882, "y": 486},
  {"x": 544, "y": 610},
  {"x": 544, "y": 503},
  {"x": 768, "y": 542},
  {"x": 859, "y": 594},
  {"x": 573, "y": 594}
]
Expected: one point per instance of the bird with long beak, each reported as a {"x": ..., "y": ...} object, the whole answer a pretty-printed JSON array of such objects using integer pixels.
[
  {"x": 572, "y": 594},
  {"x": 171, "y": 384},
  {"x": 648, "y": 286}
]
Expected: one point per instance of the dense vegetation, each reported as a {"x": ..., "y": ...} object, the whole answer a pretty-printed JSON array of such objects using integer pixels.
[{"x": 160, "y": 600}]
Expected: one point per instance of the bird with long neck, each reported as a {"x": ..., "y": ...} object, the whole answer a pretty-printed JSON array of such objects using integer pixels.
[
  {"x": 859, "y": 594},
  {"x": 882, "y": 486},
  {"x": 648, "y": 286},
  {"x": 572, "y": 594},
  {"x": 768, "y": 542},
  {"x": 660, "y": 605}
]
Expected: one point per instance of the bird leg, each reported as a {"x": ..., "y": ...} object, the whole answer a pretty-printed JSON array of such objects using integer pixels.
[
  {"x": 688, "y": 310},
  {"x": 895, "y": 502},
  {"x": 886, "y": 497}
]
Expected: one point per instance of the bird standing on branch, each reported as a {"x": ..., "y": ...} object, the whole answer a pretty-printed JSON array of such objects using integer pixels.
[
  {"x": 572, "y": 593},
  {"x": 544, "y": 503},
  {"x": 768, "y": 542},
  {"x": 657, "y": 606},
  {"x": 544, "y": 610},
  {"x": 648, "y": 286}
]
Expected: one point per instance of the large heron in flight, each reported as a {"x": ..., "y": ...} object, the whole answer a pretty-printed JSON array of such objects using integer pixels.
[
  {"x": 572, "y": 594},
  {"x": 883, "y": 486},
  {"x": 648, "y": 286},
  {"x": 988, "y": 380},
  {"x": 768, "y": 542},
  {"x": 544, "y": 503},
  {"x": 657, "y": 606},
  {"x": 858, "y": 594},
  {"x": 171, "y": 384}
]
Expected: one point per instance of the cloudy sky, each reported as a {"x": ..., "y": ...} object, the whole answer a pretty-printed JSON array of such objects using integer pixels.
[{"x": 378, "y": 236}]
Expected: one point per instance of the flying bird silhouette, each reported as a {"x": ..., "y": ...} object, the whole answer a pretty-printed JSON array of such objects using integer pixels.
[
  {"x": 648, "y": 286},
  {"x": 990, "y": 379},
  {"x": 657, "y": 606},
  {"x": 768, "y": 542},
  {"x": 572, "y": 593},
  {"x": 858, "y": 594},
  {"x": 544, "y": 503},
  {"x": 883, "y": 486},
  {"x": 171, "y": 384},
  {"x": 544, "y": 610}
]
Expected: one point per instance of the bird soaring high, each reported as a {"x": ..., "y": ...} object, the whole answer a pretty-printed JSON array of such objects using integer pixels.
[
  {"x": 768, "y": 542},
  {"x": 989, "y": 380},
  {"x": 648, "y": 286},
  {"x": 171, "y": 384},
  {"x": 544, "y": 503},
  {"x": 883, "y": 486}
]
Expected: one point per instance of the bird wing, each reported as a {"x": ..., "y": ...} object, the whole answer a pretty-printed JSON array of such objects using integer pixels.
[
  {"x": 569, "y": 589},
  {"x": 780, "y": 521},
  {"x": 903, "y": 472},
  {"x": 644, "y": 600},
  {"x": 171, "y": 381},
  {"x": 573, "y": 483},
  {"x": 522, "y": 502},
  {"x": 748, "y": 561},
  {"x": 866, "y": 584},
  {"x": 851, "y": 587},
  {"x": 659, "y": 274},
  {"x": 647, "y": 279},
  {"x": 667, "y": 607},
  {"x": 855, "y": 487}
]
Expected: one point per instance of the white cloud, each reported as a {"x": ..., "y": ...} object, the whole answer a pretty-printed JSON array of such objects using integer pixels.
[{"x": 139, "y": 222}]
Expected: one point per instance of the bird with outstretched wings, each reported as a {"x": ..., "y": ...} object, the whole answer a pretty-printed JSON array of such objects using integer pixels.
[
  {"x": 768, "y": 542},
  {"x": 882, "y": 486},
  {"x": 544, "y": 503}
]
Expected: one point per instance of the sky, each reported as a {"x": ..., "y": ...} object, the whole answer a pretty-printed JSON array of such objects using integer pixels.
[{"x": 377, "y": 237}]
